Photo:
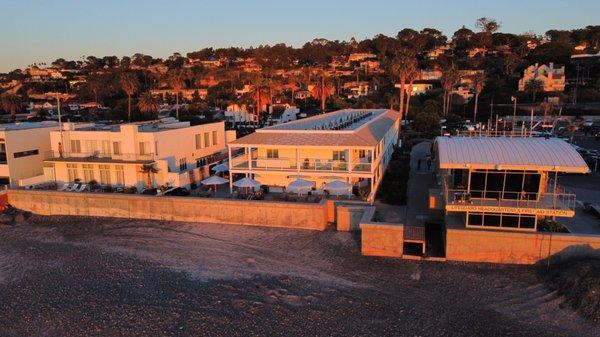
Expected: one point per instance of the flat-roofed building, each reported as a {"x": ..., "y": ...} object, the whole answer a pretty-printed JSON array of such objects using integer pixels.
[
  {"x": 22, "y": 148},
  {"x": 120, "y": 155},
  {"x": 352, "y": 145},
  {"x": 503, "y": 182}
]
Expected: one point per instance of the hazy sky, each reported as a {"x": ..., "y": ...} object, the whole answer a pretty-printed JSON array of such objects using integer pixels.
[{"x": 43, "y": 30}]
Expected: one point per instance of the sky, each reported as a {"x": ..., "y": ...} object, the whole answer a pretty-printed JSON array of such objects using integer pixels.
[{"x": 44, "y": 30}]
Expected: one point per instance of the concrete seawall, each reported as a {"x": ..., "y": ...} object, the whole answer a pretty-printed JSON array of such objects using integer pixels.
[
  {"x": 220, "y": 211},
  {"x": 512, "y": 247}
]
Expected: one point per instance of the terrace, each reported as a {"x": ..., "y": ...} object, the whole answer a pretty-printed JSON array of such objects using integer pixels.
[{"x": 99, "y": 157}]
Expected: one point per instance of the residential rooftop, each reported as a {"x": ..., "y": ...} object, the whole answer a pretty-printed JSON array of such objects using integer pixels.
[
  {"x": 350, "y": 127},
  {"x": 27, "y": 125},
  {"x": 509, "y": 153},
  {"x": 341, "y": 120},
  {"x": 162, "y": 124}
]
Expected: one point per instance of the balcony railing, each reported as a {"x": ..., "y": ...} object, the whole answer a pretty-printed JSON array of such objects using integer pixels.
[
  {"x": 98, "y": 156},
  {"x": 557, "y": 201},
  {"x": 305, "y": 164}
]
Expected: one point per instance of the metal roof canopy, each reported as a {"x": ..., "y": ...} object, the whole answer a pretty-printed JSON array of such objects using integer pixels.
[{"x": 504, "y": 153}]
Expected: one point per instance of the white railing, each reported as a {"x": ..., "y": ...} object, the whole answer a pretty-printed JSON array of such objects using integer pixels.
[{"x": 559, "y": 201}]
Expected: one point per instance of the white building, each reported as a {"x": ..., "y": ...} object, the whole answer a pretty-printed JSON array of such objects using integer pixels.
[
  {"x": 22, "y": 149},
  {"x": 120, "y": 155},
  {"x": 352, "y": 145}
]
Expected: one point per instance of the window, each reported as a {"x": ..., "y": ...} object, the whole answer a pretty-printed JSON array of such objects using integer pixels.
[
  {"x": 3, "y": 152},
  {"x": 26, "y": 153},
  {"x": 105, "y": 147},
  {"x": 144, "y": 148},
  {"x": 206, "y": 139},
  {"x": 72, "y": 172},
  {"x": 88, "y": 172},
  {"x": 90, "y": 146},
  {"x": 119, "y": 175},
  {"x": 75, "y": 146},
  {"x": 200, "y": 162},
  {"x": 214, "y": 137},
  {"x": 104, "y": 174},
  {"x": 272, "y": 153},
  {"x": 339, "y": 155},
  {"x": 198, "y": 141},
  {"x": 182, "y": 164},
  {"x": 116, "y": 147}
]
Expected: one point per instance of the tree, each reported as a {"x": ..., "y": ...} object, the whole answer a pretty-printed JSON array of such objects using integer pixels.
[
  {"x": 129, "y": 84},
  {"x": 478, "y": 80},
  {"x": 426, "y": 122},
  {"x": 402, "y": 66},
  {"x": 412, "y": 76},
  {"x": 534, "y": 86},
  {"x": 323, "y": 89},
  {"x": 147, "y": 104},
  {"x": 149, "y": 170},
  {"x": 11, "y": 104},
  {"x": 488, "y": 27},
  {"x": 449, "y": 79},
  {"x": 176, "y": 79}
]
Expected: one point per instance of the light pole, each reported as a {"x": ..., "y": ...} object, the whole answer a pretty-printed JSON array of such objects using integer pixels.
[{"x": 514, "y": 100}]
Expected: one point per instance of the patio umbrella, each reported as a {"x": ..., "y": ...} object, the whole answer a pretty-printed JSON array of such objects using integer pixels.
[
  {"x": 300, "y": 185},
  {"x": 214, "y": 181},
  {"x": 337, "y": 187},
  {"x": 223, "y": 167},
  {"x": 246, "y": 183}
]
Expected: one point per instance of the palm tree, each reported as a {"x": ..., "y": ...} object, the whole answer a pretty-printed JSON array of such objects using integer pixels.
[
  {"x": 176, "y": 79},
  {"x": 259, "y": 84},
  {"x": 11, "y": 104},
  {"x": 129, "y": 84},
  {"x": 402, "y": 65},
  {"x": 147, "y": 104},
  {"x": 149, "y": 170},
  {"x": 534, "y": 86},
  {"x": 449, "y": 79},
  {"x": 478, "y": 80},
  {"x": 323, "y": 90}
]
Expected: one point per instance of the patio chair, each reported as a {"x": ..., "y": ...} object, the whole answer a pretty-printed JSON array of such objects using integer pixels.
[
  {"x": 64, "y": 187},
  {"x": 73, "y": 188},
  {"x": 81, "y": 188}
]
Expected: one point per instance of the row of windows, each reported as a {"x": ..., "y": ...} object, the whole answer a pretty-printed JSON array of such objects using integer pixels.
[
  {"x": 26, "y": 153},
  {"x": 203, "y": 140},
  {"x": 501, "y": 220},
  {"x": 88, "y": 171}
]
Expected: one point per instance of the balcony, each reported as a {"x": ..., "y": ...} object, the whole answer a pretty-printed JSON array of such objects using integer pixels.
[
  {"x": 97, "y": 157},
  {"x": 559, "y": 203},
  {"x": 306, "y": 164}
]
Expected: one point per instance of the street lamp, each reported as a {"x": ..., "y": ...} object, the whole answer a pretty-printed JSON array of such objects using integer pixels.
[{"x": 514, "y": 100}]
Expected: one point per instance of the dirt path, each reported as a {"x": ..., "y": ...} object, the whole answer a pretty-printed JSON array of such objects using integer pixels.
[{"x": 111, "y": 277}]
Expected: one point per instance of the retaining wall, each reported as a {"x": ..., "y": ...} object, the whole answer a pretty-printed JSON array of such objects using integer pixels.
[
  {"x": 208, "y": 210},
  {"x": 380, "y": 238},
  {"x": 473, "y": 245}
]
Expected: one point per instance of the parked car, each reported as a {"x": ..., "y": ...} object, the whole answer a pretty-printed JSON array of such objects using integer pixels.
[{"x": 179, "y": 192}]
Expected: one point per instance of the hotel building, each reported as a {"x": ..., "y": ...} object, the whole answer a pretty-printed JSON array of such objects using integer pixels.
[
  {"x": 349, "y": 145},
  {"x": 120, "y": 155},
  {"x": 501, "y": 182},
  {"x": 22, "y": 148}
]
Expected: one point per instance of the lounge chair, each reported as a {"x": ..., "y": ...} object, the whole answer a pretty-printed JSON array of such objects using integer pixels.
[
  {"x": 81, "y": 188},
  {"x": 65, "y": 187},
  {"x": 73, "y": 188}
]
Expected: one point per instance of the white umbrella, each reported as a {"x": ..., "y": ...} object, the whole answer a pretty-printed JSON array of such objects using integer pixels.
[
  {"x": 338, "y": 187},
  {"x": 246, "y": 183},
  {"x": 300, "y": 185},
  {"x": 223, "y": 167},
  {"x": 214, "y": 181}
]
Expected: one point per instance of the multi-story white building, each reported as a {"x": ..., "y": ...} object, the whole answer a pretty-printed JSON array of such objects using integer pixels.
[
  {"x": 352, "y": 145},
  {"x": 120, "y": 155},
  {"x": 553, "y": 79},
  {"x": 22, "y": 149}
]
